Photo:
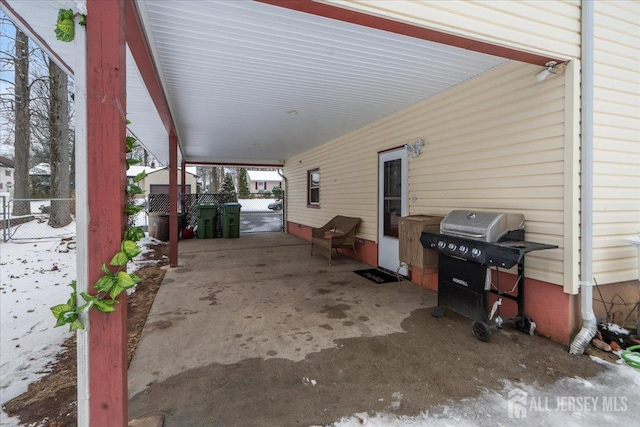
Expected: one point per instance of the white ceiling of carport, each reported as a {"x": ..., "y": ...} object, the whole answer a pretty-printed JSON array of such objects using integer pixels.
[{"x": 235, "y": 71}]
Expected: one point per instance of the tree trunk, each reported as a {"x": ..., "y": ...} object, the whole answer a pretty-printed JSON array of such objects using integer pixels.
[
  {"x": 21, "y": 205},
  {"x": 215, "y": 181},
  {"x": 60, "y": 213}
]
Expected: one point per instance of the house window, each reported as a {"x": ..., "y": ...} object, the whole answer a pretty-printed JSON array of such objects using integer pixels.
[
  {"x": 313, "y": 187},
  {"x": 261, "y": 185},
  {"x": 7, "y": 172}
]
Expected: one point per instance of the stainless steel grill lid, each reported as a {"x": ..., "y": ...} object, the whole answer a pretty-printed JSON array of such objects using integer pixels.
[{"x": 478, "y": 225}]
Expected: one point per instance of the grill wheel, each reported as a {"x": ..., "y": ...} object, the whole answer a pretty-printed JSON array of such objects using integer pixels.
[{"x": 481, "y": 331}]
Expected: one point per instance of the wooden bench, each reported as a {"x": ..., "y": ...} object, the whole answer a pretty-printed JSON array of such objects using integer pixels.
[{"x": 340, "y": 232}]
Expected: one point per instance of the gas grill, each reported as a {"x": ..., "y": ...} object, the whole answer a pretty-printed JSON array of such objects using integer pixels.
[{"x": 471, "y": 243}]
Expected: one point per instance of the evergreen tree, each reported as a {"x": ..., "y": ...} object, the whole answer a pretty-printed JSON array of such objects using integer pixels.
[
  {"x": 243, "y": 185},
  {"x": 227, "y": 185}
]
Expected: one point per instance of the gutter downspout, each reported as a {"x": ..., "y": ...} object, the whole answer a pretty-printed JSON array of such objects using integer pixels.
[
  {"x": 284, "y": 201},
  {"x": 589, "y": 328}
]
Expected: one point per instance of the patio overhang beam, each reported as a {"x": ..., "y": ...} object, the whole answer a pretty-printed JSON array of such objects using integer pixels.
[
  {"x": 139, "y": 47},
  {"x": 238, "y": 164},
  {"x": 411, "y": 30}
]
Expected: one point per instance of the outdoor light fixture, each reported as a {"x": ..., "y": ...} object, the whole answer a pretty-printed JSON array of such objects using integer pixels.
[
  {"x": 415, "y": 149},
  {"x": 551, "y": 67}
]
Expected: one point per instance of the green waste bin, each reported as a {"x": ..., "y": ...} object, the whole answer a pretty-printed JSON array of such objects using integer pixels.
[
  {"x": 230, "y": 219},
  {"x": 207, "y": 221}
]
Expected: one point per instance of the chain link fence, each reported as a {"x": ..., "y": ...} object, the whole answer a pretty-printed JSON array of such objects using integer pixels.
[{"x": 34, "y": 219}]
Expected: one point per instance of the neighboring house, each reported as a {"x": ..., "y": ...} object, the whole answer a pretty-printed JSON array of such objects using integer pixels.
[
  {"x": 157, "y": 179},
  {"x": 6, "y": 175},
  {"x": 263, "y": 181}
]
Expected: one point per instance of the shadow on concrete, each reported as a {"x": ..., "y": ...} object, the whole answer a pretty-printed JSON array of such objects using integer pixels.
[{"x": 254, "y": 331}]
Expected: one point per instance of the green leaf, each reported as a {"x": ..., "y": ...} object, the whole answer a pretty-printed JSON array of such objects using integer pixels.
[
  {"x": 139, "y": 177},
  {"x": 77, "y": 324},
  {"x": 133, "y": 189},
  {"x": 83, "y": 20},
  {"x": 136, "y": 279},
  {"x": 132, "y": 162},
  {"x": 61, "y": 321},
  {"x": 127, "y": 121},
  {"x": 119, "y": 260},
  {"x": 85, "y": 307},
  {"x": 105, "y": 306},
  {"x": 130, "y": 248},
  {"x": 65, "y": 30},
  {"x": 115, "y": 291},
  {"x": 130, "y": 143},
  {"x": 104, "y": 283},
  {"x": 59, "y": 310},
  {"x": 131, "y": 209},
  {"x": 134, "y": 234},
  {"x": 105, "y": 269},
  {"x": 125, "y": 280}
]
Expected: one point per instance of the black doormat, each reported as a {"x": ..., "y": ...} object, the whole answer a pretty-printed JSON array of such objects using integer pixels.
[{"x": 376, "y": 276}]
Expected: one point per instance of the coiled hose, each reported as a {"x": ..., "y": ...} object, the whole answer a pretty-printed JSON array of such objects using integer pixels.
[{"x": 631, "y": 357}]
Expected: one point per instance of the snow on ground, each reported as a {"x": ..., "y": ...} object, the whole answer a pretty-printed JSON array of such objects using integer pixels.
[
  {"x": 610, "y": 398},
  {"x": 34, "y": 275},
  {"x": 255, "y": 205}
]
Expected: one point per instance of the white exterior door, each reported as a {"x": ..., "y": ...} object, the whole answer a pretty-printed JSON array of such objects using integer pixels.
[{"x": 392, "y": 204}]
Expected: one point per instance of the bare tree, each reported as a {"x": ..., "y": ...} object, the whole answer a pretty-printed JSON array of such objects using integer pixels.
[
  {"x": 60, "y": 214},
  {"x": 22, "y": 125}
]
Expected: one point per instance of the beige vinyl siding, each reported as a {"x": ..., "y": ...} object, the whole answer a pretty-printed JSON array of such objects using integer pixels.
[
  {"x": 616, "y": 140},
  {"x": 161, "y": 177},
  {"x": 545, "y": 27},
  {"x": 493, "y": 143}
]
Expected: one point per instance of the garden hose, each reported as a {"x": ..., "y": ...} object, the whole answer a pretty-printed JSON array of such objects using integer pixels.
[{"x": 632, "y": 358}]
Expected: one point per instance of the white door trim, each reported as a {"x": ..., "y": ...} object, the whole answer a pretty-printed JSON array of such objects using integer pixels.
[{"x": 388, "y": 247}]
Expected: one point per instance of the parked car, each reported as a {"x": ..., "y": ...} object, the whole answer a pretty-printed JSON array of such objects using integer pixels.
[{"x": 275, "y": 206}]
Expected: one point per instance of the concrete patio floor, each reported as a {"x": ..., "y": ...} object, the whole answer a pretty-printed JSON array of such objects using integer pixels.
[{"x": 254, "y": 331}]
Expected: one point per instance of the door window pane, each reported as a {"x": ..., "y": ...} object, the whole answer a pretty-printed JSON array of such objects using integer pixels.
[
  {"x": 392, "y": 206},
  {"x": 313, "y": 193}
]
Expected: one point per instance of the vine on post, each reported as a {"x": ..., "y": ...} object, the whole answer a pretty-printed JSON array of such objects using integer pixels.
[{"x": 110, "y": 284}]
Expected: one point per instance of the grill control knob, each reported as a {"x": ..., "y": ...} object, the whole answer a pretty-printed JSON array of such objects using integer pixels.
[
  {"x": 452, "y": 246},
  {"x": 464, "y": 249},
  {"x": 475, "y": 252},
  {"x": 441, "y": 244}
]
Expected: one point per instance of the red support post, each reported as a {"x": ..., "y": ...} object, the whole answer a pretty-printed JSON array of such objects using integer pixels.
[
  {"x": 106, "y": 114},
  {"x": 173, "y": 199}
]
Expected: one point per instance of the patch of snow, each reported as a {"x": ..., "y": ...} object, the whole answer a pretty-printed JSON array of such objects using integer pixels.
[
  {"x": 307, "y": 381},
  {"x": 256, "y": 205},
  {"x": 610, "y": 398},
  {"x": 618, "y": 329},
  {"x": 34, "y": 276}
]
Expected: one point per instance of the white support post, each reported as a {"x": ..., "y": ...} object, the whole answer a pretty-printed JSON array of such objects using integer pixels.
[{"x": 82, "y": 219}]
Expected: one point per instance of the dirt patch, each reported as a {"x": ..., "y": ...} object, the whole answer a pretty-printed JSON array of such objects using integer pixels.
[{"x": 51, "y": 401}]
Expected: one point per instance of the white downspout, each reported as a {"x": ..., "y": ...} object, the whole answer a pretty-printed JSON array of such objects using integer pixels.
[{"x": 589, "y": 327}]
